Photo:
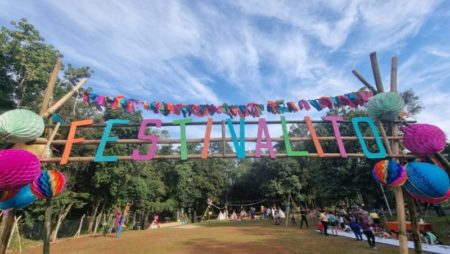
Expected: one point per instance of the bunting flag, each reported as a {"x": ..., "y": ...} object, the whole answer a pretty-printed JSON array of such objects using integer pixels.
[{"x": 353, "y": 100}]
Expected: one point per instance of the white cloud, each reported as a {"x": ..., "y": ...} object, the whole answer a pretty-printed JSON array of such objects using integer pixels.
[{"x": 241, "y": 51}]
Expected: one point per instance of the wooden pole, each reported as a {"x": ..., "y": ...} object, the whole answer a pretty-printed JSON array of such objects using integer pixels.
[
  {"x": 394, "y": 63},
  {"x": 400, "y": 203},
  {"x": 411, "y": 205},
  {"x": 61, "y": 101},
  {"x": 364, "y": 81},
  {"x": 7, "y": 230},
  {"x": 50, "y": 85},
  {"x": 376, "y": 72},
  {"x": 414, "y": 225},
  {"x": 18, "y": 235},
  {"x": 47, "y": 226},
  {"x": 224, "y": 144}
]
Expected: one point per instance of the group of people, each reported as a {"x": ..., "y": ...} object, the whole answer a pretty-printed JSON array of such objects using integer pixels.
[
  {"x": 120, "y": 219},
  {"x": 359, "y": 222}
]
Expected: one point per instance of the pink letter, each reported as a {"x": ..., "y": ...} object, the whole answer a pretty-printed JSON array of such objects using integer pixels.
[
  {"x": 142, "y": 136},
  {"x": 262, "y": 127},
  {"x": 334, "y": 121}
]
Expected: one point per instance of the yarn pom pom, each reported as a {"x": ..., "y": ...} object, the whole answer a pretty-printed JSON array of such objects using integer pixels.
[
  {"x": 423, "y": 139},
  {"x": 49, "y": 184},
  {"x": 385, "y": 106},
  {"x": 389, "y": 172}
]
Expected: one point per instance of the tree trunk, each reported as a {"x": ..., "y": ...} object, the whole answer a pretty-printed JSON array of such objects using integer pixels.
[
  {"x": 143, "y": 219},
  {"x": 97, "y": 221},
  {"x": 92, "y": 217},
  {"x": 77, "y": 234},
  {"x": 61, "y": 218},
  {"x": 134, "y": 221},
  {"x": 15, "y": 227},
  {"x": 21, "y": 89}
]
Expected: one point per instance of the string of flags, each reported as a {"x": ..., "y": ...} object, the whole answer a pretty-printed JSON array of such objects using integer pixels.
[{"x": 353, "y": 100}]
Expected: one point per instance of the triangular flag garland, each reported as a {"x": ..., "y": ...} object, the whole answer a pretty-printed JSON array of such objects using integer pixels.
[{"x": 353, "y": 100}]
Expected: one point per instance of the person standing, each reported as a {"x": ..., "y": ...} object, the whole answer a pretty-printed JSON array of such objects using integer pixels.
[
  {"x": 324, "y": 220},
  {"x": 356, "y": 228},
  {"x": 341, "y": 222},
  {"x": 303, "y": 213},
  {"x": 365, "y": 224},
  {"x": 155, "y": 222},
  {"x": 333, "y": 223}
]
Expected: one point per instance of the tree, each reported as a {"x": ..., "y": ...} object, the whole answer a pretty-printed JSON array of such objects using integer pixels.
[{"x": 25, "y": 64}]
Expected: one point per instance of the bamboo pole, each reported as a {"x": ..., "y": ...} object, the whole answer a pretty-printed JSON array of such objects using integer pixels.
[
  {"x": 364, "y": 81},
  {"x": 18, "y": 235},
  {"x": 61, "y": 101},
  {"x": 224, "y": 144},
  {"x": 47, "y": 226},
  {"x": 400, "y": 203},
  {"x": 7, "y": 230},
  {"x": 414, "y": 225},
  {"x": 201, "y": 140},
  {"x": 50, "y": 85},
  {"x": 376, "y": 72},
  {"x": 222, "y": 156}
]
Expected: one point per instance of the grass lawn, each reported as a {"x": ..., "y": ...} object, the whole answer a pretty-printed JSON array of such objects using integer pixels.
[{"x": 216, "y": 237}]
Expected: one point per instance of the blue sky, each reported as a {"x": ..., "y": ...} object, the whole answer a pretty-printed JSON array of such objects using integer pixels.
[{"x": 248, "y": 51}]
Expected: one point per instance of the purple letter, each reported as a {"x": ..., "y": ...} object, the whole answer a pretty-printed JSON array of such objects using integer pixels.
[
  {"x": 262, "y": 127},
  {"x": 334, "y": 121}
]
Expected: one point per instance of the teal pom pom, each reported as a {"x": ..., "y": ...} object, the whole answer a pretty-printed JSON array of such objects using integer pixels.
[{"x": 385, "y": 106}]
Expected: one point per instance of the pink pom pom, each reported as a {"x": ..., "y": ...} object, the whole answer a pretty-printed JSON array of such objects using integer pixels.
[
  {"x": 17, "y": 168},
  {"x": 423, "y": 139}
]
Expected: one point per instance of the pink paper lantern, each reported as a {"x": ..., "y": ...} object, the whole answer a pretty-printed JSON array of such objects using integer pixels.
[
  {"x": 423, "y": 139},
  {"x": 17, "y": 168}
]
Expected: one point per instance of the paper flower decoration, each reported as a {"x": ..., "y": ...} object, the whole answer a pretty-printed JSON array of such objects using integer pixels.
[
  {"x": 423, "y": 139},
  {"x": 389, "y": 172},
  {"x": 17, "y": 168},
  {"x": 49, "y": 184},
  {"x": 425, "y": 180},
  {"x": 20, "y": 126},
  {"x": 5, "y": 195},
  {"x": 386, "y": 105},
  {"x": 22, "y": 198}
]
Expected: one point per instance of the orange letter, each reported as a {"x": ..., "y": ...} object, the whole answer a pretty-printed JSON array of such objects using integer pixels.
[
  {"x": 313, "y": 134},
  {"x": 207, "y": 137},
  {"x": 71, "y": 139}
]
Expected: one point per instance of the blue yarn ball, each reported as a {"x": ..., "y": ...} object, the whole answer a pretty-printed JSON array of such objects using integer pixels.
[
  {"x": 23, "y": 198},
  {"x": 426, "y": 179}
]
